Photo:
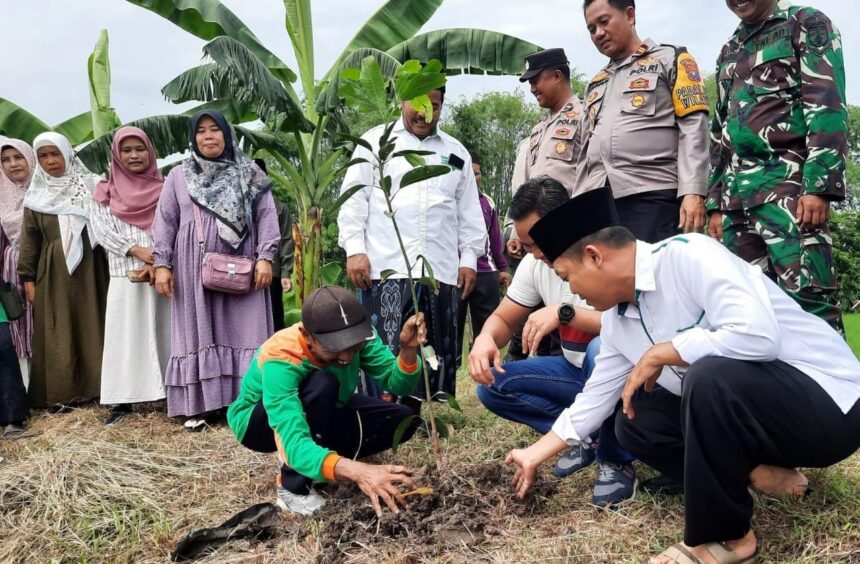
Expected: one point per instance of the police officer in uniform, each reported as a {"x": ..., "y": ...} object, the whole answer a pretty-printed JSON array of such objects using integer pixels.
[
  {"x": 550, "y": 150},
  {"x": 781, "y": 81},
  {"x": 645, "y": 128}
]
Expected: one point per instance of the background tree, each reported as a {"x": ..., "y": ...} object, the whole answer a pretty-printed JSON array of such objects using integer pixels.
[{"x": 493, "y": 124}]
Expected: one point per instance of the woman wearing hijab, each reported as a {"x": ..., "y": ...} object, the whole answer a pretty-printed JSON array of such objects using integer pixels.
[
  {"x": 137, "y": 322},
  {"x": 214, "y": 334},
  {"x": 65, "y": 276},
  {"x": 17, "y": 164}
]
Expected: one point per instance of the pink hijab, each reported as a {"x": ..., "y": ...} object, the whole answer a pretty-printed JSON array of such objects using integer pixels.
[
  {"x": 132, "y": 197},
  {"x": 12, "y": 193}
]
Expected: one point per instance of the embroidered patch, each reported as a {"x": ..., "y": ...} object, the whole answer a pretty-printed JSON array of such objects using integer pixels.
[
  {"x": 817, "y": 34},
  {"x": 593, "y": 96},
  {"x": 688, "y": 92},
  {"x": 638, "y": 100},
  {"x": 647, "y": 61},
  {"x": 600, "y": 77},
  {"x": 691, "y": 68},
  {"x": 532, "y": 142},
  {"x": 639, "y": 84},
  {"x": 572, "y": 115},
  {"x": 560, "y": 147},
  {"x": 592, "y": 113},
  {"x": 641, "y": 50},
  {"x": 561, "y": 132}
]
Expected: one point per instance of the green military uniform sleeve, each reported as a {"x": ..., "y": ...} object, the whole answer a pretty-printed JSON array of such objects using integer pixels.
[
  {"x": 822, "y": 73},
  {"x": 717, "y": 159},
  {"x": 385, "y": 369},
  {"x": 281, "y": 381}
]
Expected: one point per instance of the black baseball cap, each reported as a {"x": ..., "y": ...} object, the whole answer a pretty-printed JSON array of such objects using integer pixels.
[
  {"x": 536, "y": 63},
  {"x": 334, "y": 316}
]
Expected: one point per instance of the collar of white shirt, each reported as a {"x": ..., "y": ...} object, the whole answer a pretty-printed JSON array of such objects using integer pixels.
[{"x": 643, "y": 276}]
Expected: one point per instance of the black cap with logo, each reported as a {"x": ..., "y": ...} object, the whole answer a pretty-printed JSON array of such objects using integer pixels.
[
  {"x": 334, "y": 316},
  {"x": 547, "y": 59}
]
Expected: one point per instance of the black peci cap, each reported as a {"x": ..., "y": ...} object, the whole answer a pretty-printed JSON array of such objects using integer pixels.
[
  {"x": 334, "y": 316},
  {"x": 583, "y": 215},
  {"x": 546, "y": 59}
]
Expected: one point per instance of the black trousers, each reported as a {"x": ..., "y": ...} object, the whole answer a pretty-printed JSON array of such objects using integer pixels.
[
  {"x": 14, "y": 407},
  {"x": 277, "y": 294},
  {"x": 481, "y": 304},
  {"x": 362, "y": 427},
  {"x": 732, "y": 416},
  {"x": 651, "y": 216}
]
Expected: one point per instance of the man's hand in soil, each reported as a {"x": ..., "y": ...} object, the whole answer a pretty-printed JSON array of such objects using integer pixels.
[
  {"x": 527, "y": 461},
  {"x": 484, "y": 352},
  {"x": 376, "y": 481}
]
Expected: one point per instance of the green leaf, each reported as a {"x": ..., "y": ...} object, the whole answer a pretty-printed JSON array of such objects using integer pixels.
[
  {"x": 429, "y": 283},
  {"x": 300, "y": 29},
  {"x": 441, "y": 427},
  {"x": 422, "y": 173},
  {"x": 386, "y": 274},
  {"x": 422, "y": 104},
  {"x": 208, "y": 19},
  {"x": 233, "y": 111},
  {"x": 104, "y": 118},
  {"x": 329, "y": 273},
  {"x": 369, "y": 94},
  {"x": 357, "y": 141},
  {"x": 347, "y": 194},
  {"x": 399, "y": 431},
  {"x": 253, "y": 84},
  {"x": 472, "y": 51},
  {"x": 411, "y": 84},
  {"x": 78, "y": 129},
  {"x": 415, "y": 160},
  {"x": 18, "y": 123},
  {"x": 394, "y": 22},
  {"x": 450, "y": 400},
  {"x": 292, "y": 316},
  {"x": 427, "y": 269},
  {"x": 349, "y": 70}
]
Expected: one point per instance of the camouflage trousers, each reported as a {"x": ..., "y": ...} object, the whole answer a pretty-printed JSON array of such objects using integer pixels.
[{"x": 799, "y": 261}]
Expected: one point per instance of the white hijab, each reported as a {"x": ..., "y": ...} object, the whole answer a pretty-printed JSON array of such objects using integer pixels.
[{"x": 68, "y": 197}]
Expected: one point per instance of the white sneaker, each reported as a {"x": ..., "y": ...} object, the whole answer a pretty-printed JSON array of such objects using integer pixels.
[{"x": 304, "y": 505}]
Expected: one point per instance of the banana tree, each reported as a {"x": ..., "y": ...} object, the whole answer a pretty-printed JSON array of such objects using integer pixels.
[{"x": 239, "y": 69}]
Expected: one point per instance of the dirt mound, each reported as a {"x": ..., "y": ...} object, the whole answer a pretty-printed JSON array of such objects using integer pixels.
[{"x": 465, "y": 504}]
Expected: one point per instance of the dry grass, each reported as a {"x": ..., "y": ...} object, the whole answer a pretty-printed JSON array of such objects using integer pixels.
[{"x": 77, "y": 491}]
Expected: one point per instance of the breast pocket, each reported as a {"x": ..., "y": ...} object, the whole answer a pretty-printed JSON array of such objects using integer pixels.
[
  {"x": 639, "y": 97},
  {"x": 776, "y": 70},
  {"x": 562, "y": 143}
]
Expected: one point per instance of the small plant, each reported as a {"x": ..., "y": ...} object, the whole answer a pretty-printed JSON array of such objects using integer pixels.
[{"x": 368, "y": 91}]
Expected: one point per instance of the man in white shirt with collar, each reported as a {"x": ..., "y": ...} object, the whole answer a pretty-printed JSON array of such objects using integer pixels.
[
  {"x": 439, "y": 219},
  {"x": 750, "y": 386}
]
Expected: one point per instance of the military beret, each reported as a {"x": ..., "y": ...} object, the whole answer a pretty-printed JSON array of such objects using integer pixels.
[
  {"x": 546, "y": 59},
  {"x": 583, "y": 215}
]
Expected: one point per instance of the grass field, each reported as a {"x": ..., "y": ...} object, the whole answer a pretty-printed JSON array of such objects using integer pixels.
[{"x": 76, "y": 491}]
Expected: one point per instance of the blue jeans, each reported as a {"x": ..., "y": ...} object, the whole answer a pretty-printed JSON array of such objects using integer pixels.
[{"x": 536, "y": 390}]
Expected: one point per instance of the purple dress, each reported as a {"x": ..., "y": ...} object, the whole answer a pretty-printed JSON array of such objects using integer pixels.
[{"x": 213, "y": 335}]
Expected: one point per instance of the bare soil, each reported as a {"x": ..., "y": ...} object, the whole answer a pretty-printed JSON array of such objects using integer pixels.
[{"x": 465, "y": 508}]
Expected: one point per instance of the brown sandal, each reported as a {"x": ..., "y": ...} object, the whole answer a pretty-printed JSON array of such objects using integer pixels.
[{"x": 720, "y": 551}]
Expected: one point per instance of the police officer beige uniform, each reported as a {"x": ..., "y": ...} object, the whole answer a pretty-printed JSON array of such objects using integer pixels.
[
  {"x": 554, "y": 141},
  {"x": 645, "y": 132}
]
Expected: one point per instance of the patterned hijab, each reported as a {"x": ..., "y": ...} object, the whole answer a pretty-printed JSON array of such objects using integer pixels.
[
  {"x": 12, "y": 192},
  {"x": 227, "y": 185},
  {"x": 132, "y": 197},
  {"x": 68, "y": 197}
]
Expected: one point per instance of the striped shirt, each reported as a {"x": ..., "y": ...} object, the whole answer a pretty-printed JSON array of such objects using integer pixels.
[{"x": 117, "y": 237}]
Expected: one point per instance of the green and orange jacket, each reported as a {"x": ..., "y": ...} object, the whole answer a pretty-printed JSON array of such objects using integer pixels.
[{"x": 280, "y": 366}]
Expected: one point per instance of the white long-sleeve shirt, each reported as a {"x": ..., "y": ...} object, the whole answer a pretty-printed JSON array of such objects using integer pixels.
[
  {"x": 693, "y": 292},
  {"x": 439, "y": 218}
]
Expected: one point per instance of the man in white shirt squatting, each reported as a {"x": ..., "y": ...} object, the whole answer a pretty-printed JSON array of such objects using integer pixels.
[
  {"x": 439, "y": 219},
  {"x": 725, "y": 381},
  {"x": 534, "y": 391}
]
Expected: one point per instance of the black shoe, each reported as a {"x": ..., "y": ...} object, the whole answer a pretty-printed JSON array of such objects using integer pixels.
[
  {"x": 663, "y": 485},
  {"x": 118, "y": 412}
]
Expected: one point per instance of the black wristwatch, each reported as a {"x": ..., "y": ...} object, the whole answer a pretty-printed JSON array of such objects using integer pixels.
[{"x": 566, "y": 313}]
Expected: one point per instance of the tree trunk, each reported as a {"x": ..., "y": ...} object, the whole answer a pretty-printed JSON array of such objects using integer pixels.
[{"x": 307, "y": 235}]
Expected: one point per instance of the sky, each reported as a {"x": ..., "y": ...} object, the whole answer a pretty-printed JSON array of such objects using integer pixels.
[{"x": 47, "y": 43}]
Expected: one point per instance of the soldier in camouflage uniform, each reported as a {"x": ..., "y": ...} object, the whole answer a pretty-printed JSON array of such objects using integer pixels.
[{"x": 778, "y": 147}]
